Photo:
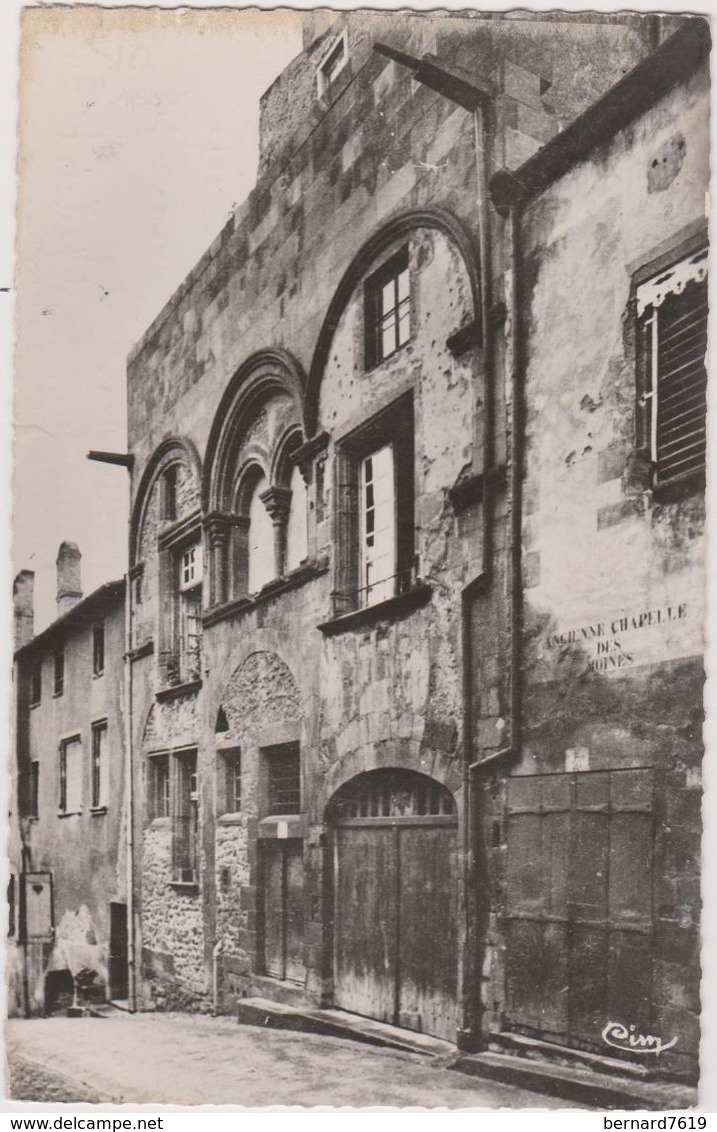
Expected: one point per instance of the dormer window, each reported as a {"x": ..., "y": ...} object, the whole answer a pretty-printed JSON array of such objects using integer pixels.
[{"x": 332, "y": 63}]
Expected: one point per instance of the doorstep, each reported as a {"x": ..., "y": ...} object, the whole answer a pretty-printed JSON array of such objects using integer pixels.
[
  {"x": 578, "y": 1084},
  {"x": 339, "y": 1024},
  {"x": 575, "y": 1084}
]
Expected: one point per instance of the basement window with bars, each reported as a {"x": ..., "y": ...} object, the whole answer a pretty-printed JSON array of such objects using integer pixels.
[{"x": 672, "y": 314}]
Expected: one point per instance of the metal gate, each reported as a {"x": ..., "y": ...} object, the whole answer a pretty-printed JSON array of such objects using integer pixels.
[
  {"x": 395, "y": 901},
  {"x": 579, "y": 904}
]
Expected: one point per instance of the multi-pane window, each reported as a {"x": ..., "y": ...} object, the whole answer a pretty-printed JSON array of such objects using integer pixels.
[
  {"x": 672, "y": 308},
  {"x": 33, "y": 790},
  {"x": 100, "y": 765},
  {"x": 71, "y": 776},
  {"x": 98, "y": 650},
  {"x": 36, "y": 682},
  {"x": 388, "y": 309},
  {"x": 158, "y": 784},
  {"x": 284, "y": 779},
  {"x": 378, "y": 527},
  {"x": 232, "y": 781},
  {"x": 374, "y": 500},
  {"x": 189, "y": 612},
  {"x": 185, "y": 819},
  {"x": 59, "y": 672}
]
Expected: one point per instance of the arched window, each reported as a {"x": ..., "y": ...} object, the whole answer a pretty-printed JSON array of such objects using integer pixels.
[
  {"x": 296, "y": 533},
  {"x": 261, "y": 564}
]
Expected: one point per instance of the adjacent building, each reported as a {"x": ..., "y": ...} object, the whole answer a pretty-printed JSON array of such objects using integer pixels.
[{"x": 68, "y": 904}]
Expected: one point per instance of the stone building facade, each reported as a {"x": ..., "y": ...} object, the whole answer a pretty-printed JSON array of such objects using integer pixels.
[
  {"x": 352, "y": 701},
  {"x": 68, "y": 861}
]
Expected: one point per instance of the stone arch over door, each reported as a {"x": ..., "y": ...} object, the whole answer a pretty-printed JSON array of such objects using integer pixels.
[{"x": 395, "y": 885}]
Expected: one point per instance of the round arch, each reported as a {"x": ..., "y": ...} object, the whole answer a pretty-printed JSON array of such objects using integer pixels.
[
  {"x": 439, "y": 219},
  {"x": 171, "y": 449},
  {"x": 263, "y": 373}
]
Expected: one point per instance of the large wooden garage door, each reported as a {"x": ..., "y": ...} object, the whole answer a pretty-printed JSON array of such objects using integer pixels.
[
  {"x": 396, "y": 891},
  {"x": 579, "y": 904}
]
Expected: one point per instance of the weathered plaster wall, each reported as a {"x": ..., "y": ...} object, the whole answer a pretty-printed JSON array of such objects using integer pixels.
[
  {"x": 84, "y": 851},
  {"x": 614, "y": 580}
]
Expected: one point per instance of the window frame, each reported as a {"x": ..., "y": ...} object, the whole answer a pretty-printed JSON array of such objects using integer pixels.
[
  {"x": 100, "y": 766},
  {"x": 36, "y": 683},
  {"x": 159, "y": 803},
  {"x": 64, "y": 808},
  {"x": 58, "y": 669},
  {"x": 98, "y": 649},
  {"x": 325, "y": 78},
  {"x": 646, "y": 322},
  {"x": 33, "y": 790},
  {"x": 391, "y": 271},
  {"x": 185, "y": 809},
  {"x": 393, "y": 425},
  {"x": 271, "y": 755},
  {"x": 175, "y": 596},
  {"x": 230, "y": 774}
]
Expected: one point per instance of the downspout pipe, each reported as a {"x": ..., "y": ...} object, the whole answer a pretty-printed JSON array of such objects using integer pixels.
[{"x": 462, "y": 90}]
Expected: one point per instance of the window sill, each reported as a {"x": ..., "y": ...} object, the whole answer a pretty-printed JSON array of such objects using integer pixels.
[
  {"x": 35, "y": 704},
  {"x": 232, "y": 817},
  {"x": 141, "y": 650},
  {"x": 281, "y": 827},
  {"x": 272, "y": 589},
  {"x": 183, "y": 689},
  {"x": 69, "y": 813},
  {"x": 675, "y": 490},
  {"x": 161, "y": 823},
  {"x": 97, "y": 810},
  {"x": 56, "y": 695},
  {"x": 393, "y": 607},
  {"x": 190, "y": 887},
  {"x": 98, "y": 675}
]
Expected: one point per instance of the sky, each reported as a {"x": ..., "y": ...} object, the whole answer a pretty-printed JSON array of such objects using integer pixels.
[{"x": 138, "y": 131}]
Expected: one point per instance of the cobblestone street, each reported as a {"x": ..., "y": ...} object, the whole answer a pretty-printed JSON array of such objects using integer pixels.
[{"x": 193, "y": 1060}]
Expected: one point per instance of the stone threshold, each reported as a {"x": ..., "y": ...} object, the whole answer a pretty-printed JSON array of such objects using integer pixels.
[
  {"x": 339, "y": 1024},
  {"x": 573, "y": 1084}
]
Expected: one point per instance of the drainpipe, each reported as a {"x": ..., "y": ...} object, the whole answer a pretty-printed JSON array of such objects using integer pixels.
[
  {"x": 126, "y": 460},
  {"x": 463, "y": 91}
]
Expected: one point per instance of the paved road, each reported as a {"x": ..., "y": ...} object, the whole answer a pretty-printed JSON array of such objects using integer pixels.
[{"x": 191, "y": 1060}]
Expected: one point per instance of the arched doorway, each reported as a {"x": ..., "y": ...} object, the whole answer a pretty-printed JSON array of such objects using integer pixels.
[{"x": 395, "y": 888}]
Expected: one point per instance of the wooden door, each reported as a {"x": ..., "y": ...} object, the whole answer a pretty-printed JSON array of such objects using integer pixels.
[
  {"x": 118, "y": 955},
  {"x": 395, "y": 902},
  {"x": 283, "y": 909},
  {"x": 579, "y": 904}
]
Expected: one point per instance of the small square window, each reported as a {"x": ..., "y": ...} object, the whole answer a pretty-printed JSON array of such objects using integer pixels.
[
  {"x": 158, "y": 771},
  {"x": 98, "y": 650},
  {"x": 190, "y": 567},
  {"x": 284, "y": 779},
  {"x": 388, "y": 309},
  {"x": 332, "y": 63},
  {"x": 59, "y": 673}
]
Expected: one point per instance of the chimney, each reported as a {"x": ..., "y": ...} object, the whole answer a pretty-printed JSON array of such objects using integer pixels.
[
  {"x": 69, "y": 587},
  {"x": 23, "y": 599}
]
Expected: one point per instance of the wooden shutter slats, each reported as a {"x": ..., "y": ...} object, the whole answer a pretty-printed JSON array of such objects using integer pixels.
[{"x": 681, "y": 383}]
